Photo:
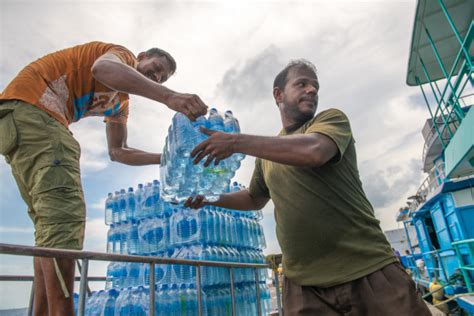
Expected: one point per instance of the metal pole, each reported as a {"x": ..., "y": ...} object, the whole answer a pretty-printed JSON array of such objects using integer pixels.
[
  {"x": 198, "y": 288},
  {"x": 89, "y": 292},
  {"x": 259, "y": 305},
  {"x": 455, "y": 30},
  {"x": 435, "y": 124},
  {"x": 32, "y": 298},
  {"x": 277, "y": 289},
  {"x": 152, "y": 289},
  {"x": 232, "y": 291},
  {"x": 83, "y": 287},
  {"x": 453, "y": 68},
  {"x": 438, "y": 101},
  {"x": 441, "y": 65}
]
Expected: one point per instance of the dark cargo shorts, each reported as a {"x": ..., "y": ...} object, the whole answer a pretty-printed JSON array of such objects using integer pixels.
[
  {"x": 44, "y": 158},
  {"x": 389, "y": 291}
]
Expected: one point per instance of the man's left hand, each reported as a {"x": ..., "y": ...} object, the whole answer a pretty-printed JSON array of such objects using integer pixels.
[{"x": 217, "y": 147}]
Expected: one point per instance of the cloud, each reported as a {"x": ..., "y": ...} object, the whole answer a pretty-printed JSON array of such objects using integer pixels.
[
  {"x": 90, "y": 133},
  {"x": 252, "y": 82},
  {"x": 16, "y": 230},
  {"x": 387, "y": 185},
  {"x": 99, "y": 205},
  {"x": 96, "y": 235}
]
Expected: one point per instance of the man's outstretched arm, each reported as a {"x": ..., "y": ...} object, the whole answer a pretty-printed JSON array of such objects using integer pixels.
[
  {"x": 240, "y": 200},
  {"x": 306, "y": 150},
  {"x": 120, "y": 152},
  {"x": 112, "y": 72}
]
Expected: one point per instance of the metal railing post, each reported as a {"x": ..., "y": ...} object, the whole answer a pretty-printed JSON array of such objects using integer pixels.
[
  {"x": 277, "y": 290},
  {"x": 455, "y": 30},
  {"x": 198, "y": 288},
  {"x": 32, "y": 299},
  {"x": 83, "y": 287},
  {"x": 86, "y": 256},
  {"x": 257, "y": 285},
  {"x": 232, "y": 290},
  {"x": 152, "y": 289}
]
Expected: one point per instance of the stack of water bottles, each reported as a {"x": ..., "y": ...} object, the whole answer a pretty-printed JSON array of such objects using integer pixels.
[
  {"x": 179, "y": 176},
  {"x": 141, "y": 223},
  {"x": 148, "y": 221}
]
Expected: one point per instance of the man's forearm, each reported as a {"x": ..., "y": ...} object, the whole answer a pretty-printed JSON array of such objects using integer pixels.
[
  {"x": 123, "y": 78},
  {"x": 134, "y": 157},
  {"x": 295, "y": 150},
  {"x": 240, "y": 200}
]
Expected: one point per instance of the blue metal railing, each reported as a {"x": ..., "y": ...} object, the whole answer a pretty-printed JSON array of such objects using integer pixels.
[
  {"x": 467, "y": 269},
  {"x": 86, "y": 256}
]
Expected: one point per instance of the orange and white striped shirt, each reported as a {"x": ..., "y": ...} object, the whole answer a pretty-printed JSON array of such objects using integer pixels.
[{"x": 62, "y": 84}]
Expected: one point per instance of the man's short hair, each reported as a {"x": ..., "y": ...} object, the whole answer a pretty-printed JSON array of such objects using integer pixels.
[
  {"x": 158, "y": 52},
  {"x": 281, "y": 78}
]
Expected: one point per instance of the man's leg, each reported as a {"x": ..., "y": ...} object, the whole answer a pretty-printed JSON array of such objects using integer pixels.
[
  {"x": 58, "y": 273},
  {"x": 46, "y": 167},
  {"x": 60, "y": 285},
  {"x": 301, "y": 300},
  {"x": 40, "y": 302},
  {"x": 389, "y": 291}
]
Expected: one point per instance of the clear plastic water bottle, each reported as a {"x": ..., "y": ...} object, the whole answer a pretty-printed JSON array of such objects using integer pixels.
[
  {"x": 161, "y": 274},
  {"x": 147, "y": 209},
  {"x": 116, "y": 208},
  {"x": 174, "y": 307},
  {"x": 203, "y": 217},
  {"x": 135, "y": 278},
  {"x": 215, "y": 120},
  {"x": 124, "y": 304},
  {"x": 182, "y": 129},
  {"x": 139, "y": 200},
  {"x": 152, "y": 236},
  {"x": 131, "y": 205},
  {"x": 75, "y": 299},
  {"x": 133, "y": 239},
  {"x": 109, "y": 278},
  {"x": 163, "y": 301},
  {"x": 111, "y": 239},
  {"x": 122, "y": 231},
  {"x": 120, "y": 275},
  {"x": 109, "y": 206},
  {"x": 110, "y": 298},
  {"x": 157, "y": 205},
  {"x": 140, "y": 301},
  {"x": 143, "y": 240},
  {"x": 231, "y": 125},
  {"x": 122, "y": 202},
  {"x": 185, "y": 226},
  {"x": 91, "y": 304}
]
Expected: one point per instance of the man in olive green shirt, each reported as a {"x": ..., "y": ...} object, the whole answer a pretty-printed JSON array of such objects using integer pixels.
[{"x": 336, "y": 260}]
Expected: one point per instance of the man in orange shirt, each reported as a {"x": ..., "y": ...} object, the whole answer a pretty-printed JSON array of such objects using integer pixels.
[{"x": 36, "y": 108}]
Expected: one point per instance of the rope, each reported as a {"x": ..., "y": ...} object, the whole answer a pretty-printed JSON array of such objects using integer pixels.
[
  {"x": 61, "y": 279},
  {"x": 430, "y": 293},
  {"x": 454, "y": 297}
]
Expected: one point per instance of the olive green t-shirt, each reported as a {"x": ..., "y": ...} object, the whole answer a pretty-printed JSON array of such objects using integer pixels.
[{"x": 325, "y": 225}]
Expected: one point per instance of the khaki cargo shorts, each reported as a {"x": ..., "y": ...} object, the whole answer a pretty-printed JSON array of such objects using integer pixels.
[{"x": 44, "y": 158}]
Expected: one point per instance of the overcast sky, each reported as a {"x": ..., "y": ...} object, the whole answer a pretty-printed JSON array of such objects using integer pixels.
[{"x": 228, "y": 53}]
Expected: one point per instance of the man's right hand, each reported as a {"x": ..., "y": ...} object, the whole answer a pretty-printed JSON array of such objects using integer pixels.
[
  {"x": 188, "y": 104},
  {"x": 196, "y": 202}
]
